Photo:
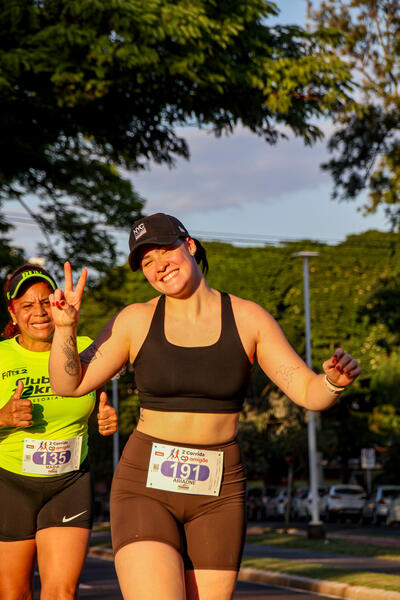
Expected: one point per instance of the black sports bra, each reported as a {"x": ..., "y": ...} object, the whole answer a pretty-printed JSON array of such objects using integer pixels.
[{"x": 209, "y": 379}]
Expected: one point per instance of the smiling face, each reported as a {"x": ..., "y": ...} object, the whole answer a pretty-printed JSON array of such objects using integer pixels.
[
  {"x": 172, "y": 269},
  {"x": 32, "y": 313}
]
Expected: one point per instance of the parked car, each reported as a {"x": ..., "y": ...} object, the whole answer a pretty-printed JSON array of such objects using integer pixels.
[
  {"x": 345, "y": 500},
  {"x": 393, "y": 516},
  {"x": 322, "y": 502},
  {"x": 377, "y": 505},
  {"x": 257, "y": 500},
  {"x": 254, "y": 504},
  {"x": 277, "y": 504},
  {"x": 299, "y": 507}
]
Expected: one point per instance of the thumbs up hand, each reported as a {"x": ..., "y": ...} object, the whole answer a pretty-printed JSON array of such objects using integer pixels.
[
  {"x": 106, "y": 417},
  {"x": 18, "y": 411}
]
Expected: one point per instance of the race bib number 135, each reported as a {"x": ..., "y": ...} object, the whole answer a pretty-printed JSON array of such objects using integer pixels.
[{"x": 51, "y": 457}]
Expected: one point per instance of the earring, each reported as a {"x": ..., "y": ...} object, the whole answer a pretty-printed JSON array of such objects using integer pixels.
[{"x": 14, "y": 323}]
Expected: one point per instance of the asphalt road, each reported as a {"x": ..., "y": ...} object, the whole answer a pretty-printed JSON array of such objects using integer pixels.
[{"x": 99, "y": 582}]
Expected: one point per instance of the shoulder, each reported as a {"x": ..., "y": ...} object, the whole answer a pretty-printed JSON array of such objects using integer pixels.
[
  {"x": 248, "y": 308},
  {"x": 137, "y": 311},
  {"x": 134, "y": 318},
  {"x": 252, "y": 317},
  {"x": 8, "y": 344}
]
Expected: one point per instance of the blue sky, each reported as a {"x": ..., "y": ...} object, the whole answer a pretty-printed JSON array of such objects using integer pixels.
[{"x": 241, "y": 185}]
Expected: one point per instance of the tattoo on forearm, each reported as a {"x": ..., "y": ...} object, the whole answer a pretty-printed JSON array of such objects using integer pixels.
[
  {"x": 287, "y": 373},
  {"x": 90, "y": 354},
  {"x": 141, "y": 417},
  {"x": 71, "y": 365}
]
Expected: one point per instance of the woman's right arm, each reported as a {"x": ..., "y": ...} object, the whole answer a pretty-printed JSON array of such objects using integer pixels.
[{"x": 72, "y": 374}]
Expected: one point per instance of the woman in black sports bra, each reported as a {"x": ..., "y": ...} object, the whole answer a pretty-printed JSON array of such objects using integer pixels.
[{"x": 177, "y": 501}]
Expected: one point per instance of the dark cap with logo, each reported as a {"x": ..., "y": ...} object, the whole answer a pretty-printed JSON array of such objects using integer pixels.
[
  {"x": 25, "y": 277},
  {"x": 158, "y": 230}
]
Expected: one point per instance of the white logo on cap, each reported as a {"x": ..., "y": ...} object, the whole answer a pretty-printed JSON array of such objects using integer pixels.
[
  {"x": 181, "y": 228},
  {"x": 139, "y": 231}
]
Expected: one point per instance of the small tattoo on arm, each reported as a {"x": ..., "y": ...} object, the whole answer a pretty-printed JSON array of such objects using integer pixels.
[
  {"x": 90, "y": 354},
  {"x": 71, "y": 365},
  {"x": 141, "y": 417},
  {"x": 287, "y": 373}
]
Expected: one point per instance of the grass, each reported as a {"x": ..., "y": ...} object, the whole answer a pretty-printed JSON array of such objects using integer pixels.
[
  {"x": 349, "y": 576},
  {"x": 315, "y": 571},
  {"x": 332, "y": 546},
  {"x": 100, "y": 544},
  {"x": 101, "y": 526}
]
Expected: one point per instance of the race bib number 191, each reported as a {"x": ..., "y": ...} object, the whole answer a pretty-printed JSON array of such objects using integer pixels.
[
  {"x": 185, "y": 470},
  {"x": 51, "y": 457}
]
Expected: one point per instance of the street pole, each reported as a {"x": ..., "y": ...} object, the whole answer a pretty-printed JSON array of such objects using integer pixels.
[
  {"x": 114, "y": 381},
  {"x": 315, "y": 526}
]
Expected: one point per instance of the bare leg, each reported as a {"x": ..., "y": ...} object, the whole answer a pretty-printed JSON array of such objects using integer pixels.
[
  {"x": 17, "y": 562},
  {"x": 203, "y": 584},
  {"x": 61, "y": 554},
  {"x": 148, "y": 570}
]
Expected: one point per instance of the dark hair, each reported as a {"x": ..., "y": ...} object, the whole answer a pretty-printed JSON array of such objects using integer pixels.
[
  {"x": 201, "y": 256},
  {"x": 11, "y": 329}
]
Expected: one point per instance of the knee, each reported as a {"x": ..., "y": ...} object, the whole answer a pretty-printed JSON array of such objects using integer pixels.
[
  {"x": 14, "y": 592},
  {"x": 58, "y": 591}
]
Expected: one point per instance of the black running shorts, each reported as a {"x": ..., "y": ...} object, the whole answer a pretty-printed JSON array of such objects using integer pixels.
[
  {"x": 28, "y": 504},
  {"x": 208, "y": 531}
]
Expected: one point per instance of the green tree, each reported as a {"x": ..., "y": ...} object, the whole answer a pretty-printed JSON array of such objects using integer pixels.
[
  {"x": 89, "y": 90},
  {"x": 366, "y": 144},
  {"x": 10, "y": 259}
]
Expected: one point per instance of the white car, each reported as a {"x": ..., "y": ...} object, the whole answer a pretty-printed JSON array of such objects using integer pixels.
[
  {"x": 345, "y": 500},
  {"x": 322, "y": 502},
  {"x": 299, "y": 504},
  {"x": 377, "y": 505},
  {"x": 277, "y": 505},
  {"x": 393, "y": 515}
]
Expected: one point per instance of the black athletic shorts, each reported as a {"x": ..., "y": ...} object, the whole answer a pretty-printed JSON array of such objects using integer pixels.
[
  {"x": 208, "y": 531},
  {"x": 28, "y": 504}
]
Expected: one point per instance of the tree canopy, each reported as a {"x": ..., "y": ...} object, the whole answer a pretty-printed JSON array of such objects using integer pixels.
[
  {"x": 366, "y": 146},
  {"x": 90, "y": 90}
]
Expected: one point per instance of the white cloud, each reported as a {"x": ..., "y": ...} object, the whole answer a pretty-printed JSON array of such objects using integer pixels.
[{"x": 230, "y": 171}]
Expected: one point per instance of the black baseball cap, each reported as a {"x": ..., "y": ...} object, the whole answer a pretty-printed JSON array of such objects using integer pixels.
[
  {"x": 23, "y": 275},
  {"x": 158, "y": 230}
]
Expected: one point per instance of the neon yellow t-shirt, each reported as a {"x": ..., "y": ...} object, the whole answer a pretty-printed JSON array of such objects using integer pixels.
[{"x": 54, "y": 417}]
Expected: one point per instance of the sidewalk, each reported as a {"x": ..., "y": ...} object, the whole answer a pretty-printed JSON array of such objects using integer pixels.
[{"x": 331, "y": 588}]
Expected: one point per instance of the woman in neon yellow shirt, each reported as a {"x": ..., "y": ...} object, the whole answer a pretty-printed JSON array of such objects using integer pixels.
[{"x": 45, "y": 478}]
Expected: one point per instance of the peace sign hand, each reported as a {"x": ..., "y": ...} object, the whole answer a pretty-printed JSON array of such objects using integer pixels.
[{"x": 65, "y": 305}]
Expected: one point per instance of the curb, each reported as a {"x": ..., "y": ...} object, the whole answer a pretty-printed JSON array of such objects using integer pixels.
[
  {"x": 329, "y": 588},
  {"x": 319, "y": 586}
]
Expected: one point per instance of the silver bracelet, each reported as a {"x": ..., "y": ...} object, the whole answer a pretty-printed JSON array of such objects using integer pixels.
[{"x": 332, "y": 387}]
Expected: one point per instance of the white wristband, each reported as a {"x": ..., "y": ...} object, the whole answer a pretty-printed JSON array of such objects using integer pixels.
[{"x": 333, "y": 388}]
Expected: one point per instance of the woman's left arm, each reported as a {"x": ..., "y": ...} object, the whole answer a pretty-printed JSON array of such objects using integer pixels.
[{"x": 284, "y": 366}]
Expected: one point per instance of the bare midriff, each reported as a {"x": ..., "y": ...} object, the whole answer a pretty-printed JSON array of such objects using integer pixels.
[{"x": 189, "y": 428}]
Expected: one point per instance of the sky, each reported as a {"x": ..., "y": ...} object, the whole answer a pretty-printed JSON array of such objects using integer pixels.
[{"x": 241, "y": 186}]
